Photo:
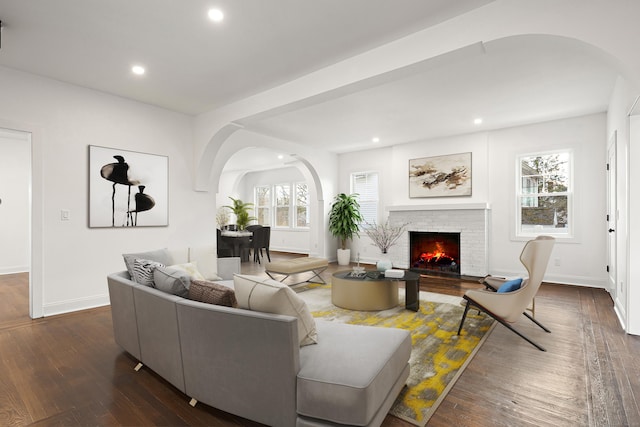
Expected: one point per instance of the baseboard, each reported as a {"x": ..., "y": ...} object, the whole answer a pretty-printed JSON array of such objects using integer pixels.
[
  {"x": 585, "y": 281},
  {"x": 75, "y": 305},
  {"x": 14, "y": 269}
]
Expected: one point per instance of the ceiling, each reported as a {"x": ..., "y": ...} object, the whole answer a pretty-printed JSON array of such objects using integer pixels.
[{"x": 194, "y": 65}]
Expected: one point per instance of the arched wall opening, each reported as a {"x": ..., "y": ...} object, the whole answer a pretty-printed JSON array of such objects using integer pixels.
[
  {"x": 218, "y": 149},
  {"x": 225, "y": 183}
]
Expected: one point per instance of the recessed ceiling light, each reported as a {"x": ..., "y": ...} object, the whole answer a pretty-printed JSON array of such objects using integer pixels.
[
  {"x": 280, "y": 156},
  {"x": 138, "y": 69},
  {"x": 215, "y": 15},
  {"x": 375, "y": 139},
  {"x": 477, "y": 121}
]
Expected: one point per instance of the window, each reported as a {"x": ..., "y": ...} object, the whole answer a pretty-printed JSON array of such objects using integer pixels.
[
  {"x": 284, "y": 205},
  {"x": 302, "y": 205},
  {"x": 263, "y": 204},
  {"x": 365, "y": 184},
  {"x": 544, "y": 194}
]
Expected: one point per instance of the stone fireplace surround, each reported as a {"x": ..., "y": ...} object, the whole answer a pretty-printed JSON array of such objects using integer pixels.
[{"x": 471, "y": 220}]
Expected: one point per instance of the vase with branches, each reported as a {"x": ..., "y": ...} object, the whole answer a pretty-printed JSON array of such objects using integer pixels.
[{"x": 384, "y": 236}]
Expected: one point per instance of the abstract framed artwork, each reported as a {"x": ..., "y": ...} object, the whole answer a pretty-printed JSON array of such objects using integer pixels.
[
  {"x": 127, "y": 188},
  {"x": 440, "y": 176}
]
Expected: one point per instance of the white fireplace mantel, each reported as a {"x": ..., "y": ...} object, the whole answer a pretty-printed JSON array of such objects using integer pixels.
[
  {"x": 471, "y": 220},
  {"x": 440, "y": 207}
]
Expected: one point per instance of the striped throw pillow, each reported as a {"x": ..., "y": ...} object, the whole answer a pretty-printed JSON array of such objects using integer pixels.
[{"x": 143, "y": 271}]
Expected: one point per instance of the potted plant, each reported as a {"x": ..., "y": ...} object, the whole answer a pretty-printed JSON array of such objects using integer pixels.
[
  {"x": 241, "y": 211},
  {"x": 344, "y": 220},
  {"x": 384, "y": 236}
]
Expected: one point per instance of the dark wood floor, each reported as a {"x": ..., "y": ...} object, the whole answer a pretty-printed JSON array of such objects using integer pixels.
[{"x": 66, "y": 370}]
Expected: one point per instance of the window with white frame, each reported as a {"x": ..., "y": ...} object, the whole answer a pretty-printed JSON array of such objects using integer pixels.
[
  {"x": 545, "y": 194},
  {"x": 263, "y": 204},
  {"x": 282, "y": 194},
  {"x": 365, "y": 185},
  {"x": 301, "y": 207},
  {"x": 284, "y": 205}
]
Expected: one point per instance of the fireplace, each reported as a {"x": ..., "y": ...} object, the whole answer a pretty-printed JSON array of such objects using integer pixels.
[{"x": 432, "y": 252}]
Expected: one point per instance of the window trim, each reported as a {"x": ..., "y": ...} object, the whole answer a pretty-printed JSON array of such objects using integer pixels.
[
  {"x": 292, "y": 206},
  {"x": 519, "y": 234},
  {"x": 363, "y": 224}
]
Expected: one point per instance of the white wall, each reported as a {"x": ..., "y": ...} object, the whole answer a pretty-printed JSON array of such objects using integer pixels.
[
  {"x": 581, "y": 261},
  {"x": 15, "y": 184},
  {"x": 392, "y": 165},
  {"x": 71, "y": 260}
]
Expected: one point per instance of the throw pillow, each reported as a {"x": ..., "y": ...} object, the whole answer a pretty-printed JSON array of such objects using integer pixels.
[
  {"x": 212, "y": 293},
  {"x": 510, "y": 286},
  {"x": 143, "y": 271},
  {"x": 172, "y": 281},
  {"x": 191, "y": 268},
  {"x": 267, "y": 295},
  {"x": 160, "y": 255}
]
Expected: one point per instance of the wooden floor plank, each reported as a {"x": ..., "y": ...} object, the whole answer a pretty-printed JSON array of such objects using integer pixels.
[{"x": 67, "y": 370}]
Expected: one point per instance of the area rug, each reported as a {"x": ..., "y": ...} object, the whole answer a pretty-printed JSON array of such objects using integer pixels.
[{"x": 438, "y": 355}]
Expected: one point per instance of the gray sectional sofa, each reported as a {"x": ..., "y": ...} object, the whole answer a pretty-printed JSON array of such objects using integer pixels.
[{"x": 250, "y": 363}]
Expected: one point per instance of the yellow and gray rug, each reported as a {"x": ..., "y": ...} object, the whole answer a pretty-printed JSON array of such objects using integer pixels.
[{"x": 438, "y": 356}]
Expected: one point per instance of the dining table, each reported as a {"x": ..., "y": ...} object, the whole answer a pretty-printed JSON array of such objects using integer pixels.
[{"x": 238, "y": 240}]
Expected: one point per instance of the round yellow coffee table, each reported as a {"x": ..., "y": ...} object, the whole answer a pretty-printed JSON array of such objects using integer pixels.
[{"x": 363, "y": 294}]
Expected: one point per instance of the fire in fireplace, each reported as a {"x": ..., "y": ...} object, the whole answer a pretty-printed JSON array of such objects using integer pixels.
[{"x": 435, "y": 252}]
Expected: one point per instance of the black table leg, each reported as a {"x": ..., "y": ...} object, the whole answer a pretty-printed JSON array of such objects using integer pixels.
[{"x": 411, "y": 294}]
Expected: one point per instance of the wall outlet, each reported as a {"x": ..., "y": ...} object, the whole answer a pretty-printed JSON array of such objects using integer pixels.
[{"x": 556, "y": 262}]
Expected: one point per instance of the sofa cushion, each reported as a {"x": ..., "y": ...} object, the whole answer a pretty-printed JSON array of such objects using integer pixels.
[
  {"x": 160, "y": 255},
  {"x": 212, "y": 293},
  {"x": 270, "y": 296},
  {"x": 172, "y": 281},
  {"x": 347, "y": 376},
  {"x": 191, "y": 268},
  {"x": 143, "y": 271}
]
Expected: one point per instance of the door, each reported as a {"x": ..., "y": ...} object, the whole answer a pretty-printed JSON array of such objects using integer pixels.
[{"x": 612, "y": 217}]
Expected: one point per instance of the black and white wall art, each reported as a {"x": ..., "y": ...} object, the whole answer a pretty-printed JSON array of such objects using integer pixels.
[
  {"x": 440, "y": 176},
  {"x": 127, "y": 188}
]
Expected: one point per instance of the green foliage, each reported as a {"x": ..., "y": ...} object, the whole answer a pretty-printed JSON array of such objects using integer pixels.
[
  {"x": 241, "y": 211},
  {"x": 344, "y": 218}
]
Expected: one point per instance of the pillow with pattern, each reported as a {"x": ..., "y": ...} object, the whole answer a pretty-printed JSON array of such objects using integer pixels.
[
  {"x": 143, "y": 271},
  {"x": 270, "y": 296},
  {"x": 212, "y": 293},
  {"x": 160, "y": 255}
]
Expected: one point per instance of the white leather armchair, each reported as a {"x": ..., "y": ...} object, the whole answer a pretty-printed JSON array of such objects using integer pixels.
[{"x": 507, "y": 307}]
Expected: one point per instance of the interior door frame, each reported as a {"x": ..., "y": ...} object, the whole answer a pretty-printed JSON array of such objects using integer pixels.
[
  {"x": 36, "y": 218},
  {"x": 612, "y": 216}
]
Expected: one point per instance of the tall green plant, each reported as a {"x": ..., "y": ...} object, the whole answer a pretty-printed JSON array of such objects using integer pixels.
[
  {"x": 241, "y": 211},
  {"x": 344, "y": 218}
]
